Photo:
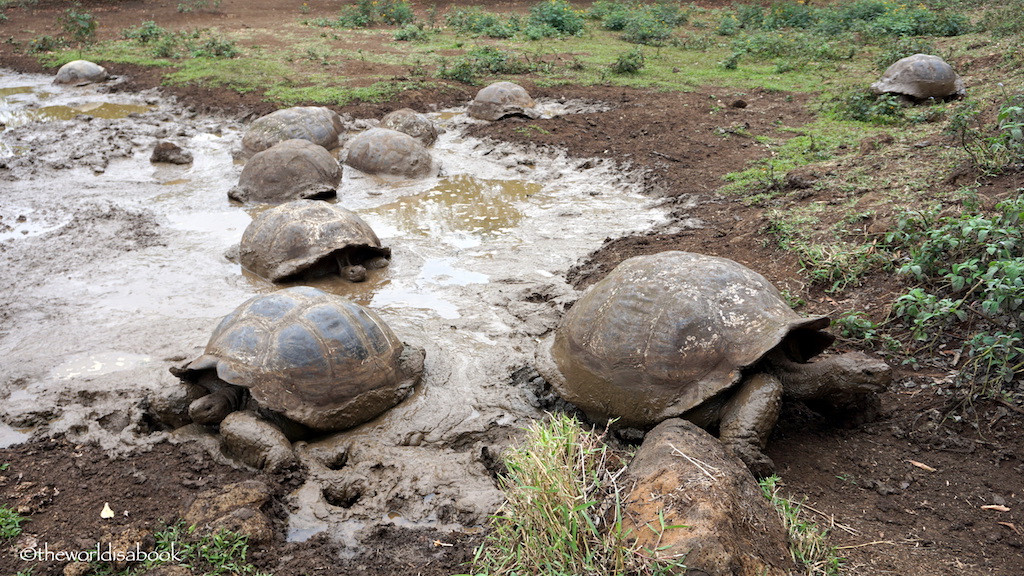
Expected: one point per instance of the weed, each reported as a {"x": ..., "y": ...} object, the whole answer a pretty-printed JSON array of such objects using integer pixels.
[
  {"x": 476, "y": 22},
  {"x": 630, "y": 62},
  {"x": 854, "y": 326},
  {"x": 412, "y": 33},
  {"x": 563, "y": 510},
  {"x": 808, "y": 544},
  {"x": 81, "y": 26},
  {"x": 484, "y": 60},
  {"x": 557, "y": 15},
  {"x": 864, "y": 106},
  {"x": 366, "y": 13},
  {"x": 145, "y": 33},
  {"x": 46, "y": 44},
  {"x": 990, "y": 148},
  {"x": 187, "y": 6},
  {"x": 10, "y": 523}
]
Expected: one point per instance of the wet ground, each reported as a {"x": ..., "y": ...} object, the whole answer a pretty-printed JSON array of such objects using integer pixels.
[
  {"x": 132, "y": 276},
  {"x": 59, "y": 367}
]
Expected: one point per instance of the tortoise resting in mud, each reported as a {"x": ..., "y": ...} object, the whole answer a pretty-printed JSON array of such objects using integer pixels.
[
  {"x": 412, "y": 123},
  {"x": 502, "y": 100},
  {"x": 288, "y": 170},
  {"x": 295, "y": 363},
  {"x": 389, "y": 152},
  {"x": 920, "y": 76},
  {"x": 678, "y": 334},
  {"x": 317, "y": 124},
  {"x": 307, "y": 238},
  {"x": 80, "y": 72}
]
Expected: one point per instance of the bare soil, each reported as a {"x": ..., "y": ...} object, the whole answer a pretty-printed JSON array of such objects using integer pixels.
[{"x": 903, "y": 495}]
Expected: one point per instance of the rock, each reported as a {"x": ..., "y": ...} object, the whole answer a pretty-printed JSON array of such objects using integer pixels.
[
  {"x": 171, "y": 153},
  {"x": 234, "y": 507},
  {"x": 682, "y": 476}
]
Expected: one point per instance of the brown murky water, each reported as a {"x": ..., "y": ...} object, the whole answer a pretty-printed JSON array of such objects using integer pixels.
[{"x": 115, "y": 270}]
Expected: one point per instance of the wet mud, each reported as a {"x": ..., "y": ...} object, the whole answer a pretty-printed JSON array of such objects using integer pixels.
[{"x": 119, "y": 268}]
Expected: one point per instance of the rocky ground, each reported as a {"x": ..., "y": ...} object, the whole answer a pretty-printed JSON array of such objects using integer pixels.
[{"x": 902, "y": 495}]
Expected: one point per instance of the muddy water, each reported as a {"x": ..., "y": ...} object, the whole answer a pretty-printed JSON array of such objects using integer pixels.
[{"x": 115, "y": 270}]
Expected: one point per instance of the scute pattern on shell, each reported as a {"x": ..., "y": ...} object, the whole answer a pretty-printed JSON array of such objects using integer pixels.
[
  {"x": 290, "y": 170},
  {"x": 316, "y": 358},
  {"x": 317, "y": 124},
  {"x": 80, "y": 72},
  {"x": 500, "y": 100},
  {"x": 662, "y": 334},
  {"x": 390, "y": 152},
  {"x": 920, "y": 76},
  {"x": 286, "y": 240},
  {"x": 412, "y": 123}
]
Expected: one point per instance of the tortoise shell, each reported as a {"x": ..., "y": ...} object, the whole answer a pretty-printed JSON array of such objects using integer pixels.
[
  {"x": 412, "y": 123},
  {"x": 664, "y": 333},
  {"x": 313, "y": 357},
  {"x": 80, "y": 72},
  {"x": 290, "y": 170},
  {"x": 287, "y": 240},
  {"x": 500, "y": 100},
  {"x": 389, "y": 152},
  {"x": 920, "y": 76},
  {"x": 317, "y": 124}
]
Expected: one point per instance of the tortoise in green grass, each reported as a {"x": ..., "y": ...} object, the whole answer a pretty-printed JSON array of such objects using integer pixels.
[
  {"x": 920, "y": 76},
  {"x": 678, "y": 334}
]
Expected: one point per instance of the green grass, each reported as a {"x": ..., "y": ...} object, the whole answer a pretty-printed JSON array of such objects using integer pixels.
[
  {"x": 560, "y": 487},
  {"x": 10, "y": 523},
  {"x": 808, "y": 544}
]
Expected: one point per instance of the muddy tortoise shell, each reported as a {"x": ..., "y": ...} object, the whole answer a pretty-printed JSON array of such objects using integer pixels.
[
  {"x": 290, "y": 170},
  {"x": 287, "y": 240},
  {"x": 663, "y": 333},
  {"x": 317, "y": 124},
  {"x": 389, "y": 152},
  {"x": 920, "y": 76},
  {"x": 313, "y": 357},
  {"x": 500, "y": 100},
  {"x": 412, "y": 123},
  {"x": 80, "y": 72}
]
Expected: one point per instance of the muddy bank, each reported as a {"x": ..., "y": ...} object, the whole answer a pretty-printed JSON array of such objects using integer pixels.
[{"x": 121, "y": 273}]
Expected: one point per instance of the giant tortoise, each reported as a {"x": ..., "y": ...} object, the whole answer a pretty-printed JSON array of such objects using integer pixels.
[
  {"x": 920, "y": 76},
  {"x": 705, "y": 338},
  {"x": 310, "y": 238},
  {"x": 307, "y": 361},
  {"x": 317, "y": 124},
  {"x": 290, "y": 170},
  {"x": 80, "y": 72},
  {"x": 412, "y": 123},
  {"x": 502, "y": 100},
  {"x": 389, "y": 152}
]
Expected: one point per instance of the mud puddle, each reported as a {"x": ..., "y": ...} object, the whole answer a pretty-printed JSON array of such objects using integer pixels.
[{"x": 117, "y": 271}]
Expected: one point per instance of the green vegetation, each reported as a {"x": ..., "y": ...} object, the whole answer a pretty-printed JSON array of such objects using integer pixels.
[
  {"x": 187, "y": 6},
  {"x": 81, "y": 26},
  {"x": 808, "y": 544},
  {"x": 10, "y": 523},
  {"x": 558, "y": 483}
]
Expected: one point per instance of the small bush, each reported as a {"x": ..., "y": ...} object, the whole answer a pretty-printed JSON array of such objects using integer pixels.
[
  {"x": 81, "y": 26},
  {"x": 145, "y": 33},
  {"x": 474, "y": 21},
  {"x": 365, "y": 13},
  {"x": 864, "y": 106},
  {"x": 412, "y": 33},
  {"x": 46, "y": 44},
  {"x": 188, "y": 6},
  {"x": 629, "y": 62},
  {"x": 484, "y": 60},
  {"x": 216, "y": 48},
  {"x": 557, "y": 15}
]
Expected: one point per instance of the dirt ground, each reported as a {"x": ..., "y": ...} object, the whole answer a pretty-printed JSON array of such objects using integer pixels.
[{"x": 903, "y": 495}]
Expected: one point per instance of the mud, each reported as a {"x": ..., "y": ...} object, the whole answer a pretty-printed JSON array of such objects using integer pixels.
[{"x": 121, "y": 272}]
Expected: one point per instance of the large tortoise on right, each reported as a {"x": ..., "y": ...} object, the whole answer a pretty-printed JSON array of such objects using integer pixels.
[
  {"x": 678, "y": 334},
  {"x": 920, "y": 76}
]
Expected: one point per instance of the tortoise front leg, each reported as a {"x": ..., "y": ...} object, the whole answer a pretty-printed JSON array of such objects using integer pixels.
[{"x": 747, "y": 421}]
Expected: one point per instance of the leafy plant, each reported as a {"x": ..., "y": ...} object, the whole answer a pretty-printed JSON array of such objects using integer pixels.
[
  {"x": 10, "y": 523},
  {"x": 187, "y": 6},
  {"x": 145, "y": 33},
  {"x": 483, "y": 60},
  {"x": 991, "y": 148},
  {"x": 366, "y": 13},
  {"x": 557, "y": 15},
  {"x": 81, "y": 26},
  {"x": 630, "y": 62},
  {"x": 46, "y": 44},
  {"x": 412, "y": 33}
]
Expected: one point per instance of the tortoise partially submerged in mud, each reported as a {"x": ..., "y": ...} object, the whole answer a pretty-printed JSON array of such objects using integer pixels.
[
  {"x": 290, "y": 170},
  {"x": 81, "y": 72},
  {"x": 920, "y": 76},
  {"x": 681, "y": 334},
  {"x": 308, "y": 238},
  {"x": 412, "y": 123},
  {"x": 502, "y": 100},
  {"x": 389, "y": 152},
  {"x": 313, "y": 363},
  {"x": 317, "y": 124}
]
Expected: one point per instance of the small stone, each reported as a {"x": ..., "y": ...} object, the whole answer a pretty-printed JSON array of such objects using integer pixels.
[{"x": 171, "y": 153}]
